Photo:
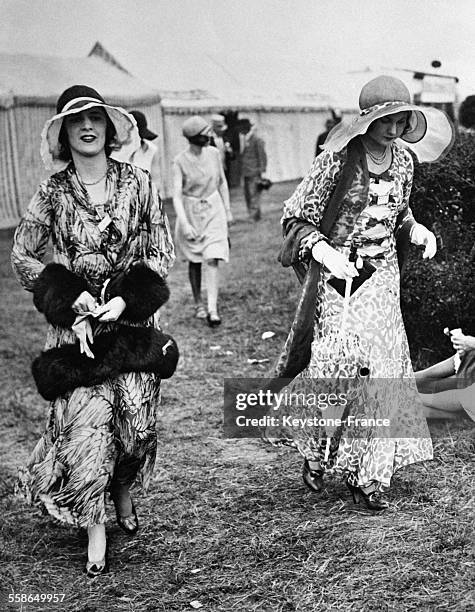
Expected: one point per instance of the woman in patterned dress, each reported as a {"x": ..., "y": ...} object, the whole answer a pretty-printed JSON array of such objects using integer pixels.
[
  {"x": 201, "y": 201},
  {"x": 364, "y": 175},
  {"x": 111, "y": 249}
]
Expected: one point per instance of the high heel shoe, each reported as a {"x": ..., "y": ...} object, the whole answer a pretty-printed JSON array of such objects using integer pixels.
[
  {"x": 130, "y": 523},
  {"x": 312, "y": 478},
  {"x": 373, "y": 501},
  {"x": 94, "y": 568}
]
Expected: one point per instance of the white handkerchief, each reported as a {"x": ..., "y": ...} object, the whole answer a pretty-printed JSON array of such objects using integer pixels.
[{"x": 105, "y": 222}]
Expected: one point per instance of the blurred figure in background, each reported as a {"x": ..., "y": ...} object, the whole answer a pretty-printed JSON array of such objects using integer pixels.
[
  {"x": 146, "y": 156},
  {"x": 219, "y": 139},
  {"x": 201, "y": 201},
  {"x": 253, "y": 167},
  {"x": 330, "y": 123},
  {"x": 218, "y": 127}
]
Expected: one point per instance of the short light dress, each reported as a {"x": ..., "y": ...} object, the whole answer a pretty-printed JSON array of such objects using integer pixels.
[{"x": 201, "y": 177}]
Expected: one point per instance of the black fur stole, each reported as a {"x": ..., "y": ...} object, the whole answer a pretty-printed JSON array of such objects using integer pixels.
[
  {"x": 55, "y": 291},
  {"x": 128, "y": 349},
  {"x": 142, "y": 289},
  {"x": 57, "y": 288}
]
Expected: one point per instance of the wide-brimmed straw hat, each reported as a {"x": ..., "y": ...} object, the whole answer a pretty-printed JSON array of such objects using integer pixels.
[
  {"x": 144, "y": 132},
  {"x": 195, "y": 126},
  {"x": 74, "y": 100},
  {"x": 430, "y": 133}
]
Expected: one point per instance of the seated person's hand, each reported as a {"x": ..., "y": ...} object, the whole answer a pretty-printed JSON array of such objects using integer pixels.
[
  {"x": 85, "y": 304},
  {"x": 111, "y": 310},
  {"x": 421, "y": 236},
  {"x": 461, "y": 342}
]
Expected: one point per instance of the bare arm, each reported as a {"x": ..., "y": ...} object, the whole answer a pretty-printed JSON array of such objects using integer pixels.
[
  {"x": 224, "y": 192},
  {"x": 156, "y": 172},
  {"x": 188, "y": 229}
]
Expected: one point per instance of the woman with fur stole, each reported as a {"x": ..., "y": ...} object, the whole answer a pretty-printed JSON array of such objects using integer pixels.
[{"x": 105, "y": 353}]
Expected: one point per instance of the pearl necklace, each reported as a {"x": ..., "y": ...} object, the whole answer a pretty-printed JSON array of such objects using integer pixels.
[
  {"x": 379, "y": 160},
  {"x": 93, "y": 182}
]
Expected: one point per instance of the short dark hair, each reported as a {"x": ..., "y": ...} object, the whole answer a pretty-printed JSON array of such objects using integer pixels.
[
  {"x": 244, "y": 125},
  {"x": 467, "y": 112},
  {"x": 65, "y": 150}
]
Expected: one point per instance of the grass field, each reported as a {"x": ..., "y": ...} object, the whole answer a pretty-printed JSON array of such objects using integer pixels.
[{"x": 228, "y": 525}]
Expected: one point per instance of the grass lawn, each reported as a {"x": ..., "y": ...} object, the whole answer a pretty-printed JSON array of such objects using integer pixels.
[{"x": 228, "y": 524}]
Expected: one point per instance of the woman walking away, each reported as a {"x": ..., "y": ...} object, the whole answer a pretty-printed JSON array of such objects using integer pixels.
[
  {"x": 356, "y": 199},
  {"x": 201, "y": 200},
  {"x": 105, "y": 353}
]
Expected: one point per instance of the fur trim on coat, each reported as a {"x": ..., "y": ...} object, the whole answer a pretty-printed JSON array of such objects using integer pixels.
[
  {"x": 142, "y": 289},
  {"x": 55, "y": 291},
  {"x": 128, "y": 349}
]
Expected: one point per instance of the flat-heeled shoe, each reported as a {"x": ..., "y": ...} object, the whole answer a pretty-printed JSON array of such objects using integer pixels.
[
  {"x": 94, "y": 568},
  {"x": 200, "y": 312},
  {"x": 312, "y": 478},
  {"x": 373, "y": 501}
]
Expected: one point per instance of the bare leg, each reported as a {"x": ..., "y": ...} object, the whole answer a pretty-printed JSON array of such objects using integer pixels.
[
  {"x": 194, "y": 274},
  {"x": 426, "y": 380},
  {"x": 212, "y": 282},
  {"x": 443, "y": 405}
]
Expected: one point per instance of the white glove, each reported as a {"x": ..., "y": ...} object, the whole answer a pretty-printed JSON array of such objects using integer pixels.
[
  {"x": 421, "y": 236},
  {"x": 334, "y": 261},
  {"x": 83, "y": 330},
  {"x": 111, "y": 310},
  {"x": 85, "y": 304}
]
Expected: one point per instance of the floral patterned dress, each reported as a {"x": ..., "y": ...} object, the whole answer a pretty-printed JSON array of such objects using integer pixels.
[
  {"x": 106, "y": 432},
  {"x": 374, "y": 332}
]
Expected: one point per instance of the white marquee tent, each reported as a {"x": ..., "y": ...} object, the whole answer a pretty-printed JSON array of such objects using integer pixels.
[
  {"x": 288, "y": 119},
  {"x": 29, "y": 88}
]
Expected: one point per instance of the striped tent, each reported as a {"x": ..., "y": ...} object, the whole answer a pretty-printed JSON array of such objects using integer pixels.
[
  {"x": 29, "y": 88},
  {"x": 289, "y": 117}
]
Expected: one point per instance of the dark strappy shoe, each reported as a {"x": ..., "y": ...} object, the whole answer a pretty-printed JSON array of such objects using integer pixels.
[
  {"x": 94, "y": 569},
  {"x": 213, "y": 319},
  {"x": 129, "y": 524},
  {"x": 312, "y": 478},
  {"x": 373, "y": 501}
]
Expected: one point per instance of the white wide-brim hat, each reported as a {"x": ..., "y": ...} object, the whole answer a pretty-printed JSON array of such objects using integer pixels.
[
  {"x": 430, "y": 134},
  {"x": 74, "y": 100}
]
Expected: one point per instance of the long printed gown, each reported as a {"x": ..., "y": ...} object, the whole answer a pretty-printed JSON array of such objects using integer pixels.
[
  {"x": 93, "y": 434},
  {"x": 375, "y": 331}
]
